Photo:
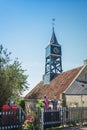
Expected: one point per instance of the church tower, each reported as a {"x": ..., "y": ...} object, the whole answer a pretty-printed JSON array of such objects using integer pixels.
[{"x": 53, "y": 62}]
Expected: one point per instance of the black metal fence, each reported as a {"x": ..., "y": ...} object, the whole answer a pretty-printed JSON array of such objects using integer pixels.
[
  {"x": 47, "y": 118},
  {"x": 63, "y": 116},
  {"x": 11, "y": 120}
]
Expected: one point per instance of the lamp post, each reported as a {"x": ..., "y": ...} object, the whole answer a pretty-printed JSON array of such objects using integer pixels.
[{"x": 11, "y": 101}]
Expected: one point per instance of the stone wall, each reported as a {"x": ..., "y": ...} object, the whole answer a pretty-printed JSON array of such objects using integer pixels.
[{"x": 76, "y": 100}]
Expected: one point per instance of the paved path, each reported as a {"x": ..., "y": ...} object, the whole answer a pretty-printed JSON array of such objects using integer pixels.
[{"x": 73, "y": 128}]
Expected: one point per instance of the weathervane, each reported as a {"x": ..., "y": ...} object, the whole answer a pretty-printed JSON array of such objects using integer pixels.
[{"x": 53, "y": 22}]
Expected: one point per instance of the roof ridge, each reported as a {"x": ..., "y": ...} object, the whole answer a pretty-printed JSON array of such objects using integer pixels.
[{"x": 72, "y": 69}]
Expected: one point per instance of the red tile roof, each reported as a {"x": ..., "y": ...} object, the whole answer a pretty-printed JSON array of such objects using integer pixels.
[{"x": 56, "y": 86}]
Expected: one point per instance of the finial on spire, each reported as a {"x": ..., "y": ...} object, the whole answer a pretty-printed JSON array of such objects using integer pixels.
[{"x": 53, "y": 23}]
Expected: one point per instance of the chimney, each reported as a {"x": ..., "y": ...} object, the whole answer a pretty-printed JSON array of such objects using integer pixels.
[{"x": 85, "y": 62}]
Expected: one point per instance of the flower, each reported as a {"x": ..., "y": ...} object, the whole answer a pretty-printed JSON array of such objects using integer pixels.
[
  {"x": 28, "y": 123},
  {"x": 30, "y": 118}
]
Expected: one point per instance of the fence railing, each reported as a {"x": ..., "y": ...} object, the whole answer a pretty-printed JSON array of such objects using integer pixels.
[
  {"x": 62, "y": 116},
  {"x": 11, "y": 119}
]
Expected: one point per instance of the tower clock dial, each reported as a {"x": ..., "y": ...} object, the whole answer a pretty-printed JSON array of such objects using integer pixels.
[{"x": 55, "y": 50}]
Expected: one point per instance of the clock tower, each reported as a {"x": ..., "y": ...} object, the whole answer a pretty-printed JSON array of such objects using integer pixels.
[{"x": 53, "y": 63}]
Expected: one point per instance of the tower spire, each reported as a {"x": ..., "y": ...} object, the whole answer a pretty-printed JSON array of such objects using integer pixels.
[{"x": 53, "y": 39}]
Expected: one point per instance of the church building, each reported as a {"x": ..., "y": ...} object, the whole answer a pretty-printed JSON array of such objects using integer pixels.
[{"x": 70, "y": 87}]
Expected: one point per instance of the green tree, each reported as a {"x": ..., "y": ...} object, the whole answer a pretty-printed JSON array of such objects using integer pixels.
[{"x": 13, "y": 80}]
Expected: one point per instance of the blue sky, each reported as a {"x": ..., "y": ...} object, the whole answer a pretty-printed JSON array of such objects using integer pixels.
[{"x": 26, "y": 28}]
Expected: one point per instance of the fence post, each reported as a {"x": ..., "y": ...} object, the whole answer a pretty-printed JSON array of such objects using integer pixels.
[{"x": 42, "y": 119}]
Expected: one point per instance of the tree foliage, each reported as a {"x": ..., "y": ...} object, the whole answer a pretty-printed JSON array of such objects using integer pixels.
[{"x": 13, "y": 80}]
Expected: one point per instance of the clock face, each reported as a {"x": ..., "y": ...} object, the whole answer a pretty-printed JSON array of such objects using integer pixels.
[{"x": 55, "y": 50}]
